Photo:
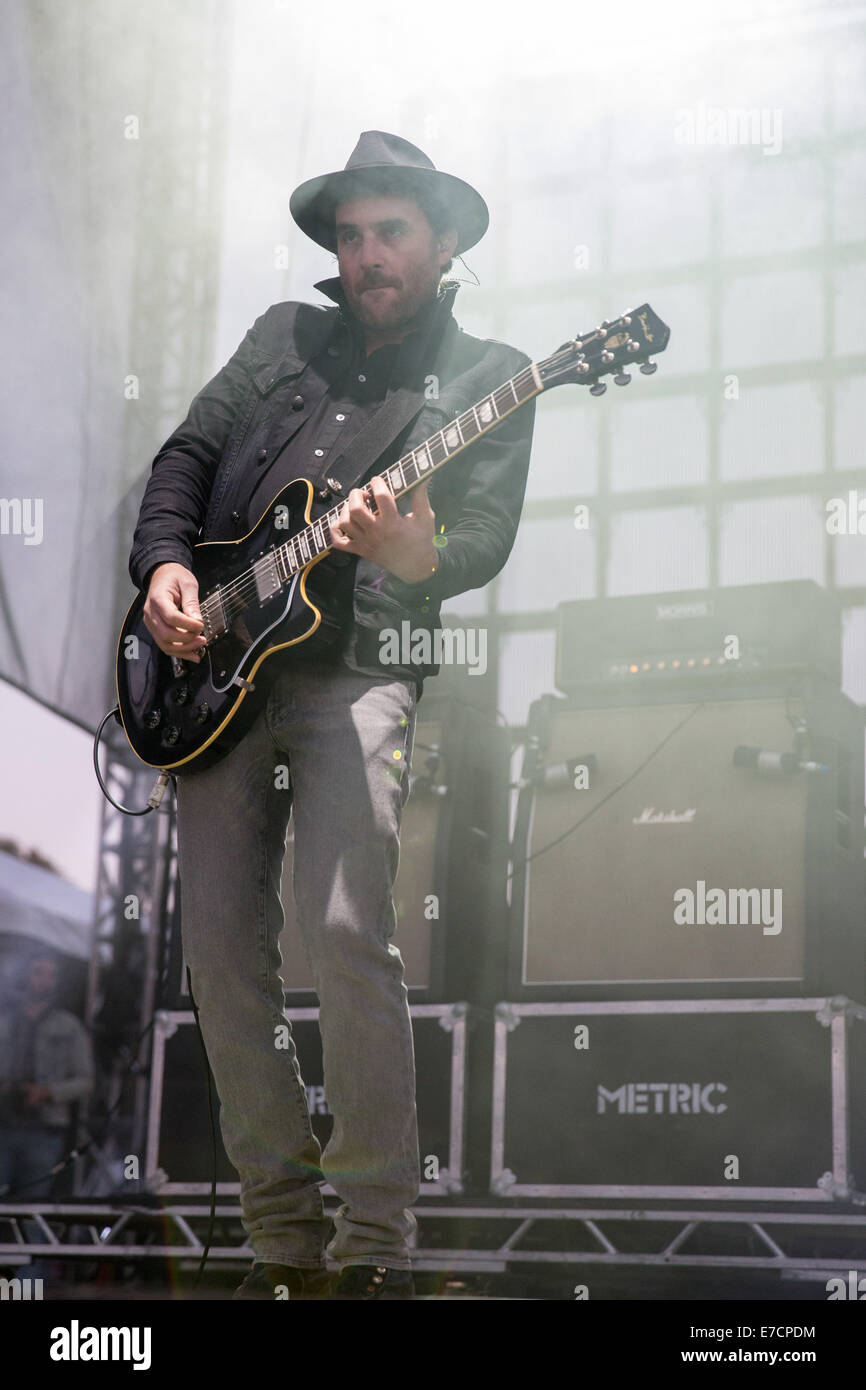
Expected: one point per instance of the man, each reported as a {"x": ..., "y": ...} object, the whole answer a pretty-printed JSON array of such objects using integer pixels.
[
  {"x": 46, "y": 1064},
  {"x": 304, "y": 385}
]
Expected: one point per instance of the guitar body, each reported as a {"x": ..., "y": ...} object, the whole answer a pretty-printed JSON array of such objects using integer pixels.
[{"x": 182, "y": 716}]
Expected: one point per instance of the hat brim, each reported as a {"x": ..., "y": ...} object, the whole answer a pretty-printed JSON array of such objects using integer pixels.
[{"x": 314, "y": 202}]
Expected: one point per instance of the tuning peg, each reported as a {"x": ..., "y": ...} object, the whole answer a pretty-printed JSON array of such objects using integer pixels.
[
  {"x": 598, "y": 389},
  {"x": 622, "y": 378},
  {"x": 649, "y": 367}
]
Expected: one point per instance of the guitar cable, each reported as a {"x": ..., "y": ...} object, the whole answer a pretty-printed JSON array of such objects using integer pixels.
[{"x": 153, "y": 801}]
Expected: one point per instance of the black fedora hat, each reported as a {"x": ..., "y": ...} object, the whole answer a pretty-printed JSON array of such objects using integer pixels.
[{"x": 386, "y": 163}]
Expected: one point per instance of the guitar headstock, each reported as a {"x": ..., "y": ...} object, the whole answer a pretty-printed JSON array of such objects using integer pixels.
[{"x": 634, "y": 337}]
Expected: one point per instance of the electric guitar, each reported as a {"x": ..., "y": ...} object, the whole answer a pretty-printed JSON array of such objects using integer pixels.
[{"x": 181, "y": 716}]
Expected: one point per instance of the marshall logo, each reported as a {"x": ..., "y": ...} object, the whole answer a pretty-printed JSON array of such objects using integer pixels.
[
  {"x": 684, "y": 610},
  {"x": 650, "y": 816}
]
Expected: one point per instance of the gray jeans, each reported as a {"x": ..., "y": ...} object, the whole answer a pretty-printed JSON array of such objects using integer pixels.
[{"x": 344, "y": 742}]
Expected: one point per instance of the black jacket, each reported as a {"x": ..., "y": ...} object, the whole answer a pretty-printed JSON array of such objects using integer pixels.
[{"x": 204, "y": 472}]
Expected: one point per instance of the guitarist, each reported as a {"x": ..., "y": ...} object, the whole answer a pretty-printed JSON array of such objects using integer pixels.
[{"x": 304, "y": 383}]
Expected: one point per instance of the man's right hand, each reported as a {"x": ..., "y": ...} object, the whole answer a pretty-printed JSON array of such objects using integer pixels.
[{"x": 171, "y": 612}]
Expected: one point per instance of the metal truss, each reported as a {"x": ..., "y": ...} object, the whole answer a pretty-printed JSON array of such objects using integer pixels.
[
  {"x": 103, "y": 1230},
  {"x": 133, "y": 892},
  {"x": 173, "y": 302}
]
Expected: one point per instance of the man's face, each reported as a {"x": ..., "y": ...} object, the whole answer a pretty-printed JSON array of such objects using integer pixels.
[
  {"x": 42, "y": 978},
  {"x": 390, "y": 259}
]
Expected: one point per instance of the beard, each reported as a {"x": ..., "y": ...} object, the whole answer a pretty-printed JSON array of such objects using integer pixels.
[{"x": 396, "y": 308}]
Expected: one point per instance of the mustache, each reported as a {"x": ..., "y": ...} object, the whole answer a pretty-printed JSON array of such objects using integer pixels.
[{"x": 378, "y": 284}]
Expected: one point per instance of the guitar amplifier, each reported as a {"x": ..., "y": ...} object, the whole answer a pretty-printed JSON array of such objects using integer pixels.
[
  {"x": 699, "y": 636},
  {"x": 737, "y": 1100},
  {"x": 673, "y": 842}
]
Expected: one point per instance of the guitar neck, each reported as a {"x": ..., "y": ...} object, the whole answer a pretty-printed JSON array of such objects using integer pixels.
[{"x": 413, "y": 468}]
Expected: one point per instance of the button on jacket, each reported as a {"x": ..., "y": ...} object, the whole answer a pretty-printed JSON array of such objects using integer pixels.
[{"x": 286, "y": 405}]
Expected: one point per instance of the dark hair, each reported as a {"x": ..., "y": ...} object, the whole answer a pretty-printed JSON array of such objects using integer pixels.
[{"x": 401, "y": 184}]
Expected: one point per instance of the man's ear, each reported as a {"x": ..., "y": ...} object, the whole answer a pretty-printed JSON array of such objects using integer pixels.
[{"x": 447, "y": 245}]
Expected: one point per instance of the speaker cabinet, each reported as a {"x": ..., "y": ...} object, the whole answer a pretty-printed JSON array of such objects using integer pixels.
[{"x": 669, "y": 845}]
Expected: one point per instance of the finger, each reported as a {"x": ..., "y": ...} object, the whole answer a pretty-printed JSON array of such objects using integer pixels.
[
  {"x": 189, "y": 600},
  {"x": 383, "y": 496},
  {"x": 180, "y": 651},
  {"x": 174, "y": 620},
  {"x": 170, "y": 640},
  {"x": 164, "y": 606},
  {"x": 359, "y": 512},
  {"x": 421, "y": 501}
]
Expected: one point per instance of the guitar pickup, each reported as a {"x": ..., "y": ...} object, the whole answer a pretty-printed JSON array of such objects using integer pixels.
[{"x": 266, "y": 577}]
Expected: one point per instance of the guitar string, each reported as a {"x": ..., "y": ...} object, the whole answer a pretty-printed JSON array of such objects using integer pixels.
[
  {"x": 245, "y": 587},
  {"x": 246, "y": 581},
  {"x": 234, "y": 597}
]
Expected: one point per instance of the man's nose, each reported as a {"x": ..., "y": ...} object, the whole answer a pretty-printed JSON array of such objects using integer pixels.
[{"x": 371, "y": 252}]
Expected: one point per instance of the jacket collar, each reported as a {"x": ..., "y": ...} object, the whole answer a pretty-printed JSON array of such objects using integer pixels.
[{"x": 296, "y": 356}]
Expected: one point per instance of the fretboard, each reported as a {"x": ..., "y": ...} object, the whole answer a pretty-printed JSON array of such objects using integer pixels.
[{"x": 410, "y": 470}]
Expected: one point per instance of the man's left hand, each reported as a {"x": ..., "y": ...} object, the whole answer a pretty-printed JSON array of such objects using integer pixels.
[{"x": 401, "y": 544}]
